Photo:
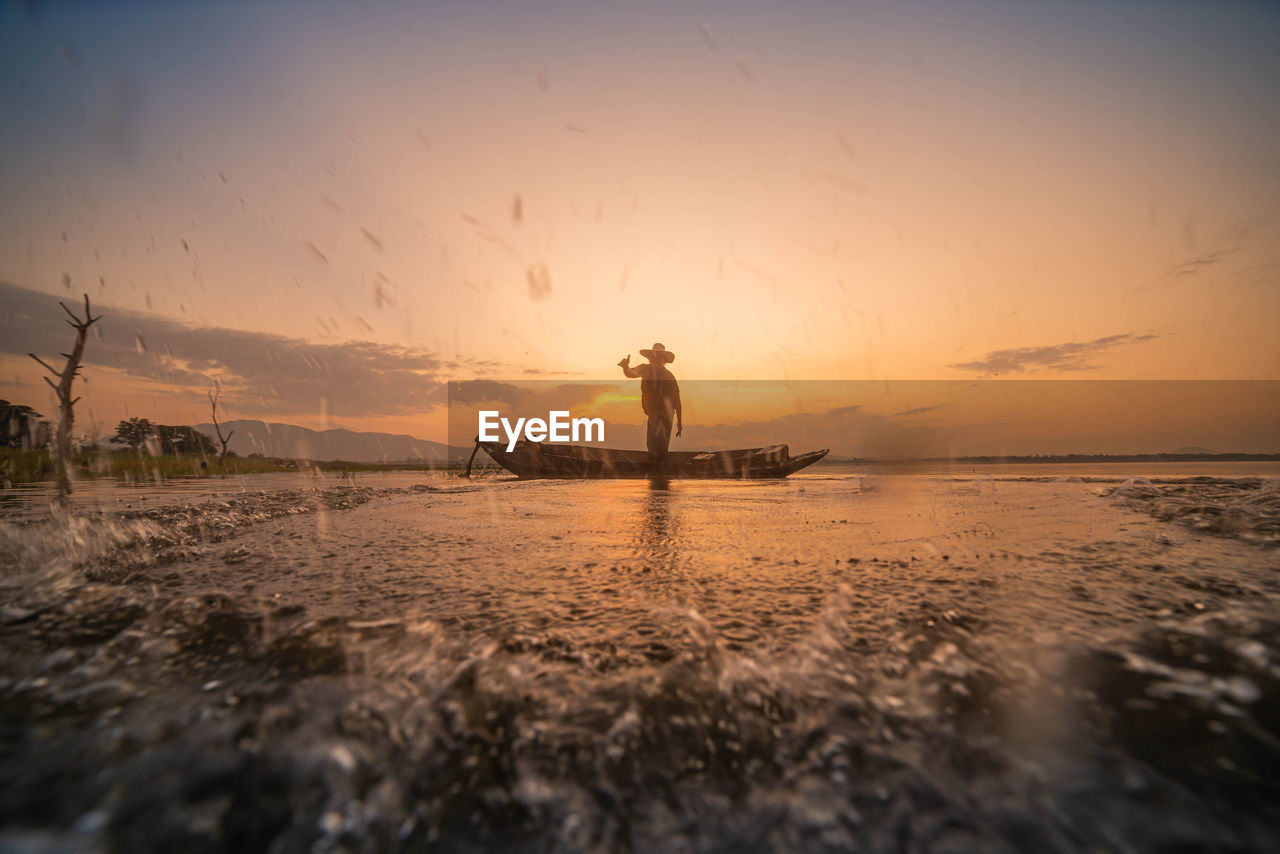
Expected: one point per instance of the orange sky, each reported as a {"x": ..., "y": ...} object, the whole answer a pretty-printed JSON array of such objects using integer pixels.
[{"x": 798, "y": 191}]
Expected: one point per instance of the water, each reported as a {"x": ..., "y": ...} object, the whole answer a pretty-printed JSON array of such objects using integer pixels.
[
  {"x": 1106, "y": 472},
  {"x": 108, "y": 495},
  {"x": 105, "y": 495},
  {"x": 833, "y": 662}
]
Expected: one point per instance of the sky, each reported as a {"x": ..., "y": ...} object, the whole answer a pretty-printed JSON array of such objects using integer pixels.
[{"x": 331, "y": 209}]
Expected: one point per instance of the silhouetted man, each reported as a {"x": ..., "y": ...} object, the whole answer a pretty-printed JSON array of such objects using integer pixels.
[{"x": 660, "y": 399}]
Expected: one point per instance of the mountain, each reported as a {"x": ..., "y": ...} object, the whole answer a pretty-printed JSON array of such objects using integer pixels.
[{"x": 291, "y": 442}]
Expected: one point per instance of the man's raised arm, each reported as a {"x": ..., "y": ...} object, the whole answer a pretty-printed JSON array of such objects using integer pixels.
[{"x": 629, "y": 371}]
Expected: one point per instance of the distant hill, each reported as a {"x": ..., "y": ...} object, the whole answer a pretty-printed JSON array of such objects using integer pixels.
[{"x": 292, "y": 442}]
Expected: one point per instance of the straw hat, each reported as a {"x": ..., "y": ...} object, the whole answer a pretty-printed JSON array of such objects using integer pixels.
[{"x": 659, "y": 354}]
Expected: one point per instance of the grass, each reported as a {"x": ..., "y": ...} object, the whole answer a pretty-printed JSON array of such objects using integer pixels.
[{"x": 19, "y": 466}]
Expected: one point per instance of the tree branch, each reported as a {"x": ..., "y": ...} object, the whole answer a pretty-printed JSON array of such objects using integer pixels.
[
  {"x": 47, "y": 366},
  {"x": 88, "y": 320}
]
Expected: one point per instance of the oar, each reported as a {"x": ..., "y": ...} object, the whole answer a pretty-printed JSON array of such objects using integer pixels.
[{"x": 474, "y": 451}]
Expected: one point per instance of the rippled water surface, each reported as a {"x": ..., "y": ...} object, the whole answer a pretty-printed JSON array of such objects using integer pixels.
[{"x": 839, "y": 661}]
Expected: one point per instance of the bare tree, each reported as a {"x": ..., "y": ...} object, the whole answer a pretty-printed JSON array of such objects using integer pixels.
[
  {"x": 213, "y": 404},
  {"x": 66, "y": 403}
]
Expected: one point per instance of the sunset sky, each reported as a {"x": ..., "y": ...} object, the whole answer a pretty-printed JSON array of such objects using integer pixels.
[{"x": 332, "y": 209}]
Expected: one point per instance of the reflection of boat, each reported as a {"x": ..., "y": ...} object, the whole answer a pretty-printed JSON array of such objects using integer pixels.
[{"x": 534, "y": 459}]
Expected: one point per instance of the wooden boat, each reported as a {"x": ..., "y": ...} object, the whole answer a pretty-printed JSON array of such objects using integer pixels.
[{"x": 536, "y": 459}]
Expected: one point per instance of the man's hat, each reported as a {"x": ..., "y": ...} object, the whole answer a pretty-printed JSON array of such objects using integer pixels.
[{"x": 659, "y": 354}]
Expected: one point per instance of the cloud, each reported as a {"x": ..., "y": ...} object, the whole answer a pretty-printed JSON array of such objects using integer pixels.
[
  {"x": 1195, "y": 265},
  {"x": 533, "y": 395},
  {"x": 1071, "y": 356},
  {"x": 261, "y": 372},
  {"x": 919, "y": 410},
  {"x": 485, "y": 391}
]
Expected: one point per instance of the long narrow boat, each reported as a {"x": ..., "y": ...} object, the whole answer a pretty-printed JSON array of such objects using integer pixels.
[{"x": 536, "y": 459}]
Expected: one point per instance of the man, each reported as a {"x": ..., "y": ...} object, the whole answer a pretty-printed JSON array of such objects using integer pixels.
[{"x": 659, "y": 397}]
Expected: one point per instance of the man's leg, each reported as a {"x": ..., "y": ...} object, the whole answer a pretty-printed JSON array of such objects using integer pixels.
[{"x": 658, "y": 439}]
